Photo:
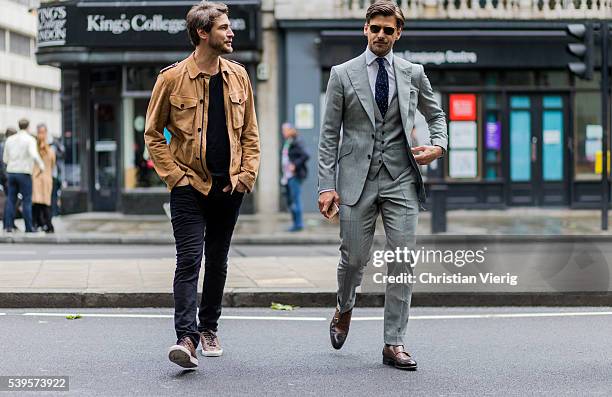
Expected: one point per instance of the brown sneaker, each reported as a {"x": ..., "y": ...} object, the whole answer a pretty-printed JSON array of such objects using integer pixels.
[
  {"x": 184, "y": 353},
  {"x": 211, "y": 345}
]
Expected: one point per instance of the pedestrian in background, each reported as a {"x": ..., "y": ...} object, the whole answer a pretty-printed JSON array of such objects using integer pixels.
[
  {"x": 42, "y": 183},
  {"x": 20, "y": 153},
  {"x": 293, "y": 159},
  {"x": 10, "y": 131}
]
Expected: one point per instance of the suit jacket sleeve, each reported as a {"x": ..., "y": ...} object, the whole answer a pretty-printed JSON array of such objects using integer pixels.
[
  {"x": 433, "y": 113},
  {"x": 330, "y": 132}
]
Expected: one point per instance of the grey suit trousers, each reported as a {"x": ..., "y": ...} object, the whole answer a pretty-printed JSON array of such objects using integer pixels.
[{"x": 397, "y": 202}]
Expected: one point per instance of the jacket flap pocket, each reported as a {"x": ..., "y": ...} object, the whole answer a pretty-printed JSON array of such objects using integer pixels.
[
  {"x": 183, "y": 102},
  {"x": 238, "y": 97}
]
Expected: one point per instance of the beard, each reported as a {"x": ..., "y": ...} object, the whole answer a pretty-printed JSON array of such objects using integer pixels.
[{"x": 220, "y": 47}]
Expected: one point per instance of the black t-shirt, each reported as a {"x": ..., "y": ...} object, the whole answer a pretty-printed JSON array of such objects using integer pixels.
[{"x": 217, "y": 140}]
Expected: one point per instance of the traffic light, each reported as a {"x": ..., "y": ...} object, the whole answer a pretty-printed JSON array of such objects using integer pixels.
[{"x": 584, "y": 50}]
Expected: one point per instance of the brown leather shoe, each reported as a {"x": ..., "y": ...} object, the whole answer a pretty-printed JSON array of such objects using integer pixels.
[
  {"x": 184, "y": 353},
  {"x": 398, "y": 357},
  {"x": 339, "y": 328}
]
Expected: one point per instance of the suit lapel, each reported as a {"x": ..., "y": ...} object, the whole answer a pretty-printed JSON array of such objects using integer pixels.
[
  {"x": 358, "y": 75},
  {"x": 403, "y": 76}
]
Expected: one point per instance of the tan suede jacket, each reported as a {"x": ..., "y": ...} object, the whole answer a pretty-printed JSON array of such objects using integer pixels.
[{"x": 179, "y": 102}]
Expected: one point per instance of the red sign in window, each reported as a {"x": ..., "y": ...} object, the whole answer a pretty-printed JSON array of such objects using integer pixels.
[{"x": 462, "y": 107}]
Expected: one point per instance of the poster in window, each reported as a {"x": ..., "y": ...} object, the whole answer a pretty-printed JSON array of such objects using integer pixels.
[
  {"x": 462, "y": 107},
  {"x": 462, "y": 164},
  {"x": 462, "y": 134}
]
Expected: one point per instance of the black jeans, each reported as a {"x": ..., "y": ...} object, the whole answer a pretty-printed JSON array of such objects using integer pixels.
[{"x": 201, "y": 221}]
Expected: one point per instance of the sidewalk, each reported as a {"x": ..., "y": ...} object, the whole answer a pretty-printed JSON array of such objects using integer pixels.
[
  {"x": 116, "y": 228},
  {"x": 258, "y": 281}
]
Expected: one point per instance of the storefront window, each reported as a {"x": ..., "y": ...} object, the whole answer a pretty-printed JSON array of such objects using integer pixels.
[
  {"x": 587, "y": 136},
  {"x": 519, "y": 78},
  {"x": 71, "y": 172},
  {"x": 141, "y": 78},
  {"x": 493, "y": 138},
  {"x": 553, "y": 78},
  {"x": 463, "y": 136},
  {"x": 137, "y": 163}
]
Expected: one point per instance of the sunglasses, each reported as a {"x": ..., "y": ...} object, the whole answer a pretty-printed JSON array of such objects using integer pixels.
[{"x": 389, "y": 31}]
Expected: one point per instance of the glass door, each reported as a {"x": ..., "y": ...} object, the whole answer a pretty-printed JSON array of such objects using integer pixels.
[
  {"x": 538, "y": 158},
  {"x": 105, "y": 182}
]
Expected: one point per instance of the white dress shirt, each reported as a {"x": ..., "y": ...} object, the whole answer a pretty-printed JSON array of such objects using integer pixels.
[
  {"x": 20, "y": 153},
  {"x": 372, "y": 67}
]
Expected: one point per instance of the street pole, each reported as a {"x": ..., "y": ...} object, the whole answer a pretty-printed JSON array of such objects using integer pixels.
[{"x": 605, "y": 124}]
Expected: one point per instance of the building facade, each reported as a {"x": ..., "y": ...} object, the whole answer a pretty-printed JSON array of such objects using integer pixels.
[
  {"x": 110, "y": 54},
  {"x": 523, "y": 131},
  {"x": 27, "y": 90}
]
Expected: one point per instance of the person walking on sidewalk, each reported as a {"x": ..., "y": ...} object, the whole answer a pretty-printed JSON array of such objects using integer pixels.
[
  {"x": 10, "y": 131},
  {"x": 293, "y": 159},
  {"x": 42, "y": 183},
  {"x": 212, "y": 160},
  {"x": 20, "y": 154},
  {"x": 373, "y": 99}
]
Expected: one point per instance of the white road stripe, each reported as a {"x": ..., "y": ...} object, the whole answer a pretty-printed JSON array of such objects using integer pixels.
[
  {"x": 110, "y": 315},
  {"x": 9, "y": 252},
  {"x": 378, "y": 318},
  {"x": 493, "y": 315},
  {"x": 2, "y": 314}
]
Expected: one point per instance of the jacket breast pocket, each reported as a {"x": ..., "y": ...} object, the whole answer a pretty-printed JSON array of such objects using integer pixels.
[
  {"x": 238, "y": 101},
  {"x": 183, "y": 112}
]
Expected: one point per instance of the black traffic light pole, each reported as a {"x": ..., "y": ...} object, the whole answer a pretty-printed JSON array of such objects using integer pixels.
[{"x": 605, "y": 124}]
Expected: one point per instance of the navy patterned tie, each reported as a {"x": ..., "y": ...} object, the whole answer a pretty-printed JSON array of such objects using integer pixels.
[{"x": 382, "y": 87}]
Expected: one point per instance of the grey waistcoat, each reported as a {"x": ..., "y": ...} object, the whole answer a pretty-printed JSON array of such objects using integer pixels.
[{"x": 390, "y": 146}]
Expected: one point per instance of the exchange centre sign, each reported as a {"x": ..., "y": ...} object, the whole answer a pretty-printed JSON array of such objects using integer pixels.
[{"x": 132, "y": 25}]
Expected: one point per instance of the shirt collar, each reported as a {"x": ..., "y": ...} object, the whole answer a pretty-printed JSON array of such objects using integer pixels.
[
  {"x": 194, "y": 71},
  {"x": 371, "y": 57}
]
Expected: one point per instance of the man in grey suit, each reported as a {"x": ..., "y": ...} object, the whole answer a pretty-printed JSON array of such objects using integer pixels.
[{"x": 373, "y": 169}]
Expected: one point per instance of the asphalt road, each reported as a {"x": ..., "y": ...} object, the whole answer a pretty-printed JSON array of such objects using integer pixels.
[
  {"x": 16, "y": 252},
  {"x": 463, "y": 352}
]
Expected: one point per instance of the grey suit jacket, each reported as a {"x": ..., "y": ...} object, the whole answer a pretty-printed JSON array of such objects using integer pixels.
[{"x": 343, "y": 163}]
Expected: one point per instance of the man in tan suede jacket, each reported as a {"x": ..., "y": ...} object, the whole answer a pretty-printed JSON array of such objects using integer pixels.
[{"x": 207, "y": 104}]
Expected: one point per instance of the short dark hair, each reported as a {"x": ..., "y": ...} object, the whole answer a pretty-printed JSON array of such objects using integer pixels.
[
  {"x": 23, "y": 124},
  {"x": 202, "y": 16},
  {"x": 386, "y": 8}
]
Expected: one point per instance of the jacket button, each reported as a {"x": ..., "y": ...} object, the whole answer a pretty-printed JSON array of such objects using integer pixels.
[
  {"x": 379, "y": 161},
  {"x": 201, "y": 100},
  {"x": 373, "y": 137},
  {"x": 369, "y": 157},
  {"x": 383, "y": 151},
  {"x": 182, "y": 105},
  {"x": 199, "y": 129}
]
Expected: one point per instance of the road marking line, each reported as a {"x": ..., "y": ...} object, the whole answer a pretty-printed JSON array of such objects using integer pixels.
[
  {"x": 109, "y": 315},
  {"x": 378, "y": 318},
  {"x": 2, "y": 314},
  {"x": 492, "y": 315}
]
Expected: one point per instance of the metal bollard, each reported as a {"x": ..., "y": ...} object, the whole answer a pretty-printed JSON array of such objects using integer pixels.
[{"x": 438, "y": 212}]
